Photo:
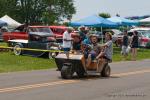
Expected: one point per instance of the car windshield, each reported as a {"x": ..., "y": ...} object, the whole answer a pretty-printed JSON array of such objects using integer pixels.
[
  {"x": 147, "y": 34},
  {"x": 41, "y": 30}
]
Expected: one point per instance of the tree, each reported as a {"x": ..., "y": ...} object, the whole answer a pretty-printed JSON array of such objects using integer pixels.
[
  {"x": 57, "y": 10},
  {"x": 105, "y": 15},
  {"x": 38, "y": 11},
  {"x": 7, "y": 7},
  {"x": 31, "y": 10}
]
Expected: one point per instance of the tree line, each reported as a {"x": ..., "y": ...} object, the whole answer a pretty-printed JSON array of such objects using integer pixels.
[{"x": 38, "y": 11}]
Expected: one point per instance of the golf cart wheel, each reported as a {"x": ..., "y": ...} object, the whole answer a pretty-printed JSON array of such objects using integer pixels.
[
  {"x": 80, "y": 72},
  {"x": 106, "y": 71},
  {"x": 52, "y": 55},
  {"x": 17, "y": 49},
  {"x": 66, "y": 72}
]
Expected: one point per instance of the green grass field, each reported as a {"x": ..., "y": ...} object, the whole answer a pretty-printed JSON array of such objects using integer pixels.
[
  {"x": 142, "y": 54},
  {"x": 3, "y": 44},
  {"x": 10, "y": 63}
]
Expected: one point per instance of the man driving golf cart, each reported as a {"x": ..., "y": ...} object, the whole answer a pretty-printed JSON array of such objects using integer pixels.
[{"x": 92, "y": 51}]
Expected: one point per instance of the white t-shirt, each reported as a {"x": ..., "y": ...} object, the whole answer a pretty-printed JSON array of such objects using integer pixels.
[{"x": 67, "y": 36}]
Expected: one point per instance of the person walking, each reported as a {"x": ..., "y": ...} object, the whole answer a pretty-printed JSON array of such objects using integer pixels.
[
  {"x": 67, "y": 41},
  {"x": 125, "y": 43},
  {"x": 134, "y": 45}
]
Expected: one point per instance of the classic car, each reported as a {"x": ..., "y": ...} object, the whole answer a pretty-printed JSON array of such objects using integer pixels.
[
  {"x": 117, "y": 36},
  {"x": 22, "y": 32},
  {"x": 144, "y": 37},
  {"x": 58, "y": 30},
  {"x": 37, "y": 41}
]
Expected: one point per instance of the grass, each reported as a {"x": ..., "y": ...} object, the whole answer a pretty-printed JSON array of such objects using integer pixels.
[
  {"x": 11, "y": 63},
  {"x": 3, "y": 44},
  {"x": 142, "y": 54}
]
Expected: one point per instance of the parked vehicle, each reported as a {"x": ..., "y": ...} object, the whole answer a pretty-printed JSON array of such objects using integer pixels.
[
  {"x": 2, "y": 30},
  {"x": 140, "y": 29},
  {"x": 58, "y": 31},
  {"x": 22, "y": 32},
  {"x": 117, "y": 36},
  {"x": 1, "y": 37},
  {"x": 144, "y": 37},
  {"x": 99, "y": 35},
  {"x": 41, "y": 40},
  {"x": 76, "y": 63}
]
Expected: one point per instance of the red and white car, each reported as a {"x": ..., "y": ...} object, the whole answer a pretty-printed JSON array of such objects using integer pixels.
[
  {"x": 144, "y": 35},
  {"x": 22, "y": 32}
]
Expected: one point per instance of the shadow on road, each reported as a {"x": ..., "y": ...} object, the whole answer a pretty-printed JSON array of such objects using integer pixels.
[{"x": 91, "y": 77}]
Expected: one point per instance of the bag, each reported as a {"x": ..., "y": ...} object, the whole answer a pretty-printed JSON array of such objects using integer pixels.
[{"x": 128, "y": 49}]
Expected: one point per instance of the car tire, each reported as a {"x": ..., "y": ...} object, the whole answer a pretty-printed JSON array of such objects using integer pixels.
[
  {"x": 106, "y": 71},
  {"x": 17, "y": 49},
  {"x": 52, "y": 55},
  {"x": 66, "y": 72}
]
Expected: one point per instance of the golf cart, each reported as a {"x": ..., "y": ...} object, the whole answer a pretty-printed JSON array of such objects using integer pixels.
[{"x": 76, "y": 63}]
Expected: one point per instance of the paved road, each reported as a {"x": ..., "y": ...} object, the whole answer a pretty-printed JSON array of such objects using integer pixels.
[{"x": 129, "y": 81}]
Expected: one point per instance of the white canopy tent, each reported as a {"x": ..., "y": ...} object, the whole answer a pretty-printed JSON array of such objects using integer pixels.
[
  {"x": 10, "y": 22},
  {"x": 146, "y": 20}
]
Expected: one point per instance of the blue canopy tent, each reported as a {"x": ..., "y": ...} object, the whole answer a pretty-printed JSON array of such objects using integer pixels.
[
  {"x": 94, "y": 21},
  {"x": 122, "y": 21},
  {"x": 2, "y": 23}
]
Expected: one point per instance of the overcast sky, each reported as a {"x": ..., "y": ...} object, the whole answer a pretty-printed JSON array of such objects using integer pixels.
[{"x": 123, "y": 7}]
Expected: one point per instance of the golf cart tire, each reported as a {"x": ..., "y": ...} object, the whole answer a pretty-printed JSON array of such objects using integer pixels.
[
  {"x": 18, "y": 52},
  {"x": 106, "y": 71},
  {"x": 80, "y": 72},
  {"x": 66, "y": 72}
]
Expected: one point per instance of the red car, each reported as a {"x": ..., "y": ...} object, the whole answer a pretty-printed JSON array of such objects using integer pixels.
[
  {"x": 58, "y": 31},
  {"x": 22, "y": 32}
]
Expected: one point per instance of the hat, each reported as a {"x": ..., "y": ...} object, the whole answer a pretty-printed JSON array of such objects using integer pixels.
[
  {"x": 75, "y": 34},
  {"x": 70, "y": 28},
  {"x": 93, "y": 35},
  {"x": 110, "y": 34},
  {"x": 81, "y": 27}
]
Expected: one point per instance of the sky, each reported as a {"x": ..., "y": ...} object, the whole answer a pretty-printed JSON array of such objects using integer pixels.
[{"x": 124, "y": 8}]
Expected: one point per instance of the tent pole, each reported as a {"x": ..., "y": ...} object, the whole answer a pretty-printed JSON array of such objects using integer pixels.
[{"x": 102, "y": 34}]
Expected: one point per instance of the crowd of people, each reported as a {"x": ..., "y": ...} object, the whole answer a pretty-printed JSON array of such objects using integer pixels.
[{"x": 88, "y": 44}]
